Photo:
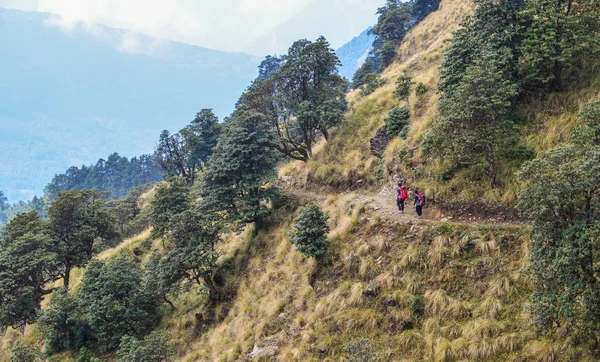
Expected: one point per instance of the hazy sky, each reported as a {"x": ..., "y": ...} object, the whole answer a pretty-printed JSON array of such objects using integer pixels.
[{"x": 218, "y": 24}]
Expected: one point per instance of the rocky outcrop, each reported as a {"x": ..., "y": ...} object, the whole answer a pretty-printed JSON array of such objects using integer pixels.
[{"x": 380, "y": 142}]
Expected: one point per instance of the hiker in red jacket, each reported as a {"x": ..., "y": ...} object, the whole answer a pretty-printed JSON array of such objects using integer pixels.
[
  {"x": 419, "y": 202},
  {"x": 401, "y": 196}
]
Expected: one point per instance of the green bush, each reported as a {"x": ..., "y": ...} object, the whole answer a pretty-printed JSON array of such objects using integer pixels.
[
  {"x": 117, "y": 302},
  {"x": 421, "y": 89},
  {"x": 403, "y": 86},
  {"x": 379, "y": 170},
  {"x": 371, "y": 82},
  {"x": 417, "y": 304},
  {"x": 309, "y": 233},
  {"x": 63, "y": 324},
  {"x": 156, "y": 347},
  {"x": 23, "y": 353},
  {"x": 397, "y": 122}
]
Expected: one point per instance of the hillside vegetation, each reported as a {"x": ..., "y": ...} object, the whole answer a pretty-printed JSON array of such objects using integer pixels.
[{"x": 225, "y": 263}]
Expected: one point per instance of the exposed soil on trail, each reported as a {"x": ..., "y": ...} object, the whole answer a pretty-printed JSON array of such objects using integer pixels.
[{"x": 384, "y": 205}]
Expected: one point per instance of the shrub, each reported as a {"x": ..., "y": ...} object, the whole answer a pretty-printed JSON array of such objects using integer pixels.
[
  {"x": 310, "y": 230},
  {"x": 417, "y": 304},
  {"x": 361, "y": 350},
  {"x": 23, "y": 353},
  {"x": 397, "y": 122},
  {"x": 63, "y": 324},
  {"x": 421, "y": 89},
  {"x": 156, "y": 347},
  {"x": 403, "y": 87},
  {"x": 117, "y": 302},
  {"x": 379, "y": 170},
  {"x": 371, "y": 82}
]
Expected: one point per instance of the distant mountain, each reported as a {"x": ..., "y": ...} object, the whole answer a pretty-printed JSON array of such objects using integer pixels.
[
  {"x": 71, "y": 96},
  {"x": 354, "y": 53},
  {"x": 337, "y": 20}
]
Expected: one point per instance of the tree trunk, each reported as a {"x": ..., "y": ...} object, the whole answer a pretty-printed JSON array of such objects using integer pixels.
[
  {"x": 212, "y": 291},
  {"x": 67, "y": 276},
  {"x": 491, "y": 169}
]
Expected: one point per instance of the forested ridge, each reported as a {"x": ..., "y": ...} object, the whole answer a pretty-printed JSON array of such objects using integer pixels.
[{"x": 265, "y": 240}]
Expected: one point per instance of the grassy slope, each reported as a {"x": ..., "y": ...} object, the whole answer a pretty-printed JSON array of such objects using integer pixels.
[
  {"x": 471, "y": 277},
  {"x": 346, "y": 159}
]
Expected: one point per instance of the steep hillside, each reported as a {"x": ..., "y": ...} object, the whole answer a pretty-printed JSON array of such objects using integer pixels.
[
  {"x": 347, "y": 163},
  {"x": 391, "y": 287}
]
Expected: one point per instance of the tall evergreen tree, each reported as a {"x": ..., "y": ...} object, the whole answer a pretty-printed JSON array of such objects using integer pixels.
[
  {"x": 562, "y": 199},
  {"x": 559, "y": 33},
  {"x": 235, "y": 179},
  {"x": 200, "y": 137},
  {"x": 310, "y": 96},
  {"x": 171, "y": 199},
  {"x": 77, "y": 219},
  {"x": 27, "y": 265}
]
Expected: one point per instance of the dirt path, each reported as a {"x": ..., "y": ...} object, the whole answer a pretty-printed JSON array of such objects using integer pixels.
[{"x": 384, "y": 205}]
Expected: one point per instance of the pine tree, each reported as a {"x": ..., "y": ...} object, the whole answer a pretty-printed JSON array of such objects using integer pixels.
[
  {"x": 562, "y": 198},
  {"x": 235, "y": 179},
  {"x": 77, "y": 219},
  {"x": 28, "y": 265},
  {"x": 559, "y": 33},
  {"x": 309, "y": 232},
  {"x": 171, "y": 199}
]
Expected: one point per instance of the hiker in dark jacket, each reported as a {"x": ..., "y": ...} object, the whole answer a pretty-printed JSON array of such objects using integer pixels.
[
  {"x": 401, "y": 196},
  {"x": 419, "y": 202}
]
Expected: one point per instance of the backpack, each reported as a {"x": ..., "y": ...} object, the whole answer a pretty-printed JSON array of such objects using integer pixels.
[
  {"x": 421, "y": 198},
  {"x": 401, "y": 194}
]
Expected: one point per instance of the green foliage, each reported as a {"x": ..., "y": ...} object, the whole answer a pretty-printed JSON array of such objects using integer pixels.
[
  {"x": 130, "y": 218},
  {"x": 562, "y": 199},
  {"x": 311, "y": 94},
  {"x": 361, "y": 350},
  {"x": 77, "y": 219},
  {"x": 27, "y": 265},
  {"x": 422, "y": 8},
  {"x": 309, "y": 232},
  {"x": 170, "y": 200},
  {"x": 371, "y": 82},
  {"x": 395, "y": 19},
  {"x": 21, "y": 352},
  {"x": 192, "y": 258},
  {"x": 185, "y": 152},
  {"x": 475, "y": 123},
  {"x": 403, "y": 87},
  {"x": 380, "y": 169},
  {"x": 558, "y": 34},
  {"x": 86, "y": 356},
  {"x": 269, "y": 66},
  {"x": 116, "y": 302},
  {"x": 304, "y": 95},
  {"x": 417, "y": 305},
  {"x": 156, "y": 347},
  {"x": 421, "y": 89},
  {"x": 398, "y": 122},
  {"x": 234, "y": 183},
  {"x": 63, "y": 324},
  {"x": 387, "y": 52},
  {"x": 116, "y": 174},
  {"x": 3, "y": 209},
  {"x": 588, "y": 129},
  {"x": 368, "y": 67}
]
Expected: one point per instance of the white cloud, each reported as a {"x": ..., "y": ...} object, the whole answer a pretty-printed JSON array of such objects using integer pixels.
[
  {"x": 222, "y": 24},
  {"x": 231, "y": 25}
]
